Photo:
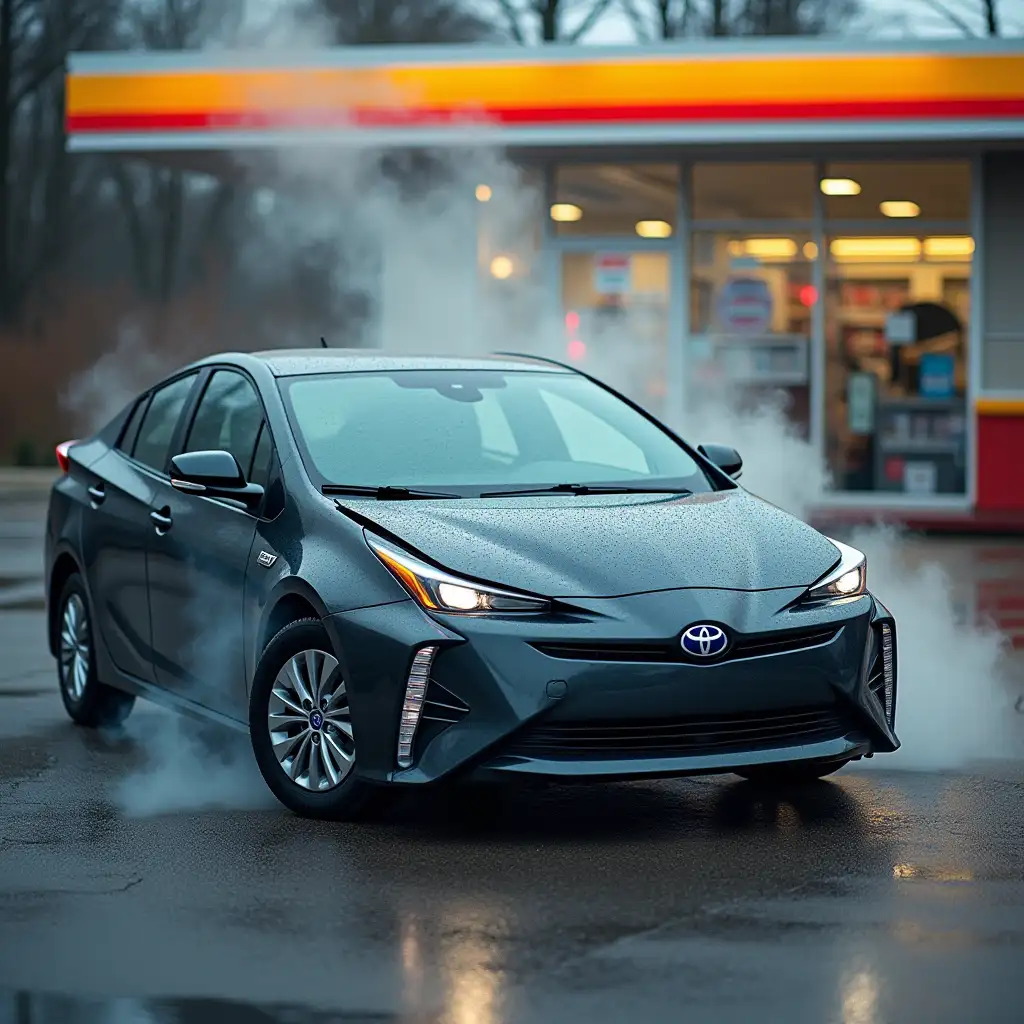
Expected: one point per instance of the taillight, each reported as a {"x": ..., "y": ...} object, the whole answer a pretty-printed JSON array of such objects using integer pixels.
[{"x": 62, "y": 455}]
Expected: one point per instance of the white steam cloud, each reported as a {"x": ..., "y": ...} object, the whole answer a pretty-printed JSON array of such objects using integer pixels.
[
  {"x": 420, "y": 246},
  {"x": 189, "y": 766}
]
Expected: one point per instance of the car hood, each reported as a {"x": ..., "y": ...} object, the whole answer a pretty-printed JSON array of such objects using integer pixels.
[{"x": 609, "y": 546}]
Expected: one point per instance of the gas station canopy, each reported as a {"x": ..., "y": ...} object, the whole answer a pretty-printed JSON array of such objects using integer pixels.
[{"x": 717, "y": 91}]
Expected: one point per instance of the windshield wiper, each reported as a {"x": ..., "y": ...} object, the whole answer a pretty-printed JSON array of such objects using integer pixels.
[
  {"x": 386, "y": 493},
  {"x": 587, "y": 489}
]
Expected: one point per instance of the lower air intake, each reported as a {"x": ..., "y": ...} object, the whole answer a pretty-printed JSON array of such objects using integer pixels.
[{"x": 693, "y": 736}]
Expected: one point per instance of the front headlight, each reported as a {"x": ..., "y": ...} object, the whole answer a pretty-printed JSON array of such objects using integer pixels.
[
  {"x": 437, "y": 590},
  {"x": 848, "y": 579}
]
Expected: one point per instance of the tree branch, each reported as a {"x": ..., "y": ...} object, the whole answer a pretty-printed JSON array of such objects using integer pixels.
[
  {"x": 951, "y": 16},
  {"x": 636, "y": 19},
  {"x": 512, "y": 17},
  {"x": 596, "y": 13}
]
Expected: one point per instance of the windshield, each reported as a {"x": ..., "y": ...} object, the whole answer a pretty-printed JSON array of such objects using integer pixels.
[{"x": 476, "y": 431}]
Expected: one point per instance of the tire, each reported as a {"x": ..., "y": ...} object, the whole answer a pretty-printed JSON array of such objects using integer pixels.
[
  {"x": 789, "y": 773},
  {"x": 87, "y": 701},
  {"x": 303, "y": 776}
]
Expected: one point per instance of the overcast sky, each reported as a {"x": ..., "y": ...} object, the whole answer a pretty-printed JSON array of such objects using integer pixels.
[{"x": 881, "y": 19}]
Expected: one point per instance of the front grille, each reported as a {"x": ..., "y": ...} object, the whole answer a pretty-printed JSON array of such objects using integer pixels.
[
  {"x": 752, "y": 646},
  {"x": 691, "y": 736}
]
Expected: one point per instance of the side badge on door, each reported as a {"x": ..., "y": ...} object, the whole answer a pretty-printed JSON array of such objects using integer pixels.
[{"x": 266, "y": 559}]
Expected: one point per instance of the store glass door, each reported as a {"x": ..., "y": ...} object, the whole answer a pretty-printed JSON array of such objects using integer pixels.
[
  {"x": 897, "y": 315},
  {"x": 619, "y": 319},
  {"x": 751, "y": 309}
]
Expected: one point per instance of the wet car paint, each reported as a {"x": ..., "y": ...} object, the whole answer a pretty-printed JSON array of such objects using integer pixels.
[{"x": 722, "y": 556}]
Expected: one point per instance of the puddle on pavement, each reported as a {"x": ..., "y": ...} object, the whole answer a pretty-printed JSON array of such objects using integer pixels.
[{"x": 39, "y": 1008}]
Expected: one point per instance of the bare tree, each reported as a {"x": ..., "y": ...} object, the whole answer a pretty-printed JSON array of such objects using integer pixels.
[
  {"x": 36, "y": 177},
  {"x": 550, "y": 20},
  {"x": 375, "y": 22},
  {"x": 172, "y": 216},
  {"x": 672, "y": 19},
  {"x": 970, "y": 17}
]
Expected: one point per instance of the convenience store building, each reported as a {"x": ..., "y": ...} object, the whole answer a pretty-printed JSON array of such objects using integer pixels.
[{"x": 845, "y": 224}]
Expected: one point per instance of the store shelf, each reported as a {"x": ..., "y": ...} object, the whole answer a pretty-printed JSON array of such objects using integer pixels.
[{"x": 913, "y": 446}]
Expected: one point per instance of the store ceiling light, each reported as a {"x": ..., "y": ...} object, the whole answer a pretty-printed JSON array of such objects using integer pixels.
[
  {"x": 484, "y": 193},
  {"x": 566, "y": 213},
  {"x": 899, "y": 208},
  {"x": 654, "y": 229},
  {"x": 840, "y": 187},
  {"x": 952, "y": 247},
  {"x": 502, "y": 268},
  {"x": 875, "y": 250},
  {"x": 764, "y": 248}
]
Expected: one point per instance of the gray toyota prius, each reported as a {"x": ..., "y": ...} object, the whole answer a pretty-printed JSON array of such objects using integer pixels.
[{"x": 397, "y": 571}]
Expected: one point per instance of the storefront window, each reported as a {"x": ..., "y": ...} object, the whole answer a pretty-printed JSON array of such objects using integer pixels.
[
  {"x": 627, "y": 200},
  {"x": 897, "y": 192},
  {"x": 751, "y": 298},
  {"x": 897, "y": 310},
  {"x": 761, "y": 191},
  {"x": 617, "y": 319}
]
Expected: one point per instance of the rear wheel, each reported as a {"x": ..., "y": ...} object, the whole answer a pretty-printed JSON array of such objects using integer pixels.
[
  {"x": 88, "y": 701},
  {"x": 791, "y": 772},
  {"x": 301, "y": 726}
]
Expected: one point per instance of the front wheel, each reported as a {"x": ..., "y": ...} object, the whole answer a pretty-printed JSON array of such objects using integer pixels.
[
  {"x": 88, "y": 701},
  {"x": 301, "y": 726},
  {"x": 791, "y": 772}
]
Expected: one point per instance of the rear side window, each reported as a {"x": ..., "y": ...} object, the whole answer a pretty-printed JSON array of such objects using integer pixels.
[
  {"x": 229, "y": 419},
  {"x": 152, "y": 446},
  {"x": 131, "y": 430}
]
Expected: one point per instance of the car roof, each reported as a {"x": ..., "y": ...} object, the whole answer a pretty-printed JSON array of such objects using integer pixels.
[{"x": 295, "y": 362}]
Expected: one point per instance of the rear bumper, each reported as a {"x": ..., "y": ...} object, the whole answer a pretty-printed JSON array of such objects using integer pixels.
[{"x": 614, "y": 707}]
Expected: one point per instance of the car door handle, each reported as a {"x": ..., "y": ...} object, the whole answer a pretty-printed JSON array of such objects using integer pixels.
[
  {"x": 162, "y": 520},
  {"x": 97, "y": 493}
]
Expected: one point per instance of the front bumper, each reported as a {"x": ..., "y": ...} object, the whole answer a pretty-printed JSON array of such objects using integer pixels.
[{"x": 607, "y": 693}]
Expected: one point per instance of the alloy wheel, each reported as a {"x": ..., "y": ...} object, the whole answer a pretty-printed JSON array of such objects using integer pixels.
[
  {"x": 310, "y": 722},
  {"x": 74, "y": 647}
]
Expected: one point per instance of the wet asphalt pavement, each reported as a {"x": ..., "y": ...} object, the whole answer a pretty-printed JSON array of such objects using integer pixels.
[{"x": 145, "y": 877}]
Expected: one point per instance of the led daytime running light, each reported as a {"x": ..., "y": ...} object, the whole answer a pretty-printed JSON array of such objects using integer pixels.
[{"x": 412, "y": 706}]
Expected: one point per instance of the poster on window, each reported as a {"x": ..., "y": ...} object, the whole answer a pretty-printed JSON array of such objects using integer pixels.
[
  {"x": 613, "y": 273},
  {"x": 745, "y": 306}
]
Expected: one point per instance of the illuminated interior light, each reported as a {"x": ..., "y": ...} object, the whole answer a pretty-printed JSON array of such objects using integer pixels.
[
  {"x": 877, "y": 250},
  {"x": 764, "y": 248},
  {"x": 952, "y": 247},
  {"x": 502, "y": 268},
  {"x": 808, "y": 295},
  {"x": 899, "y": 208},
  {"x": 484, "y": 193},
  {"x": 654, "y": 229},
  {"x": 412, "y": 706},
  {"x": 572, "y": 321},
  {"x": 810, "y": 250},
  {"x": 840, "y": 187},
  {"x": 566, "y": 213}
]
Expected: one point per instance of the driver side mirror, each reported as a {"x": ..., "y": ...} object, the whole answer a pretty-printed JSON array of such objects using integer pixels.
[
  {"x": 214, "y": 475},
  {"x": 725, "y": 458}
]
